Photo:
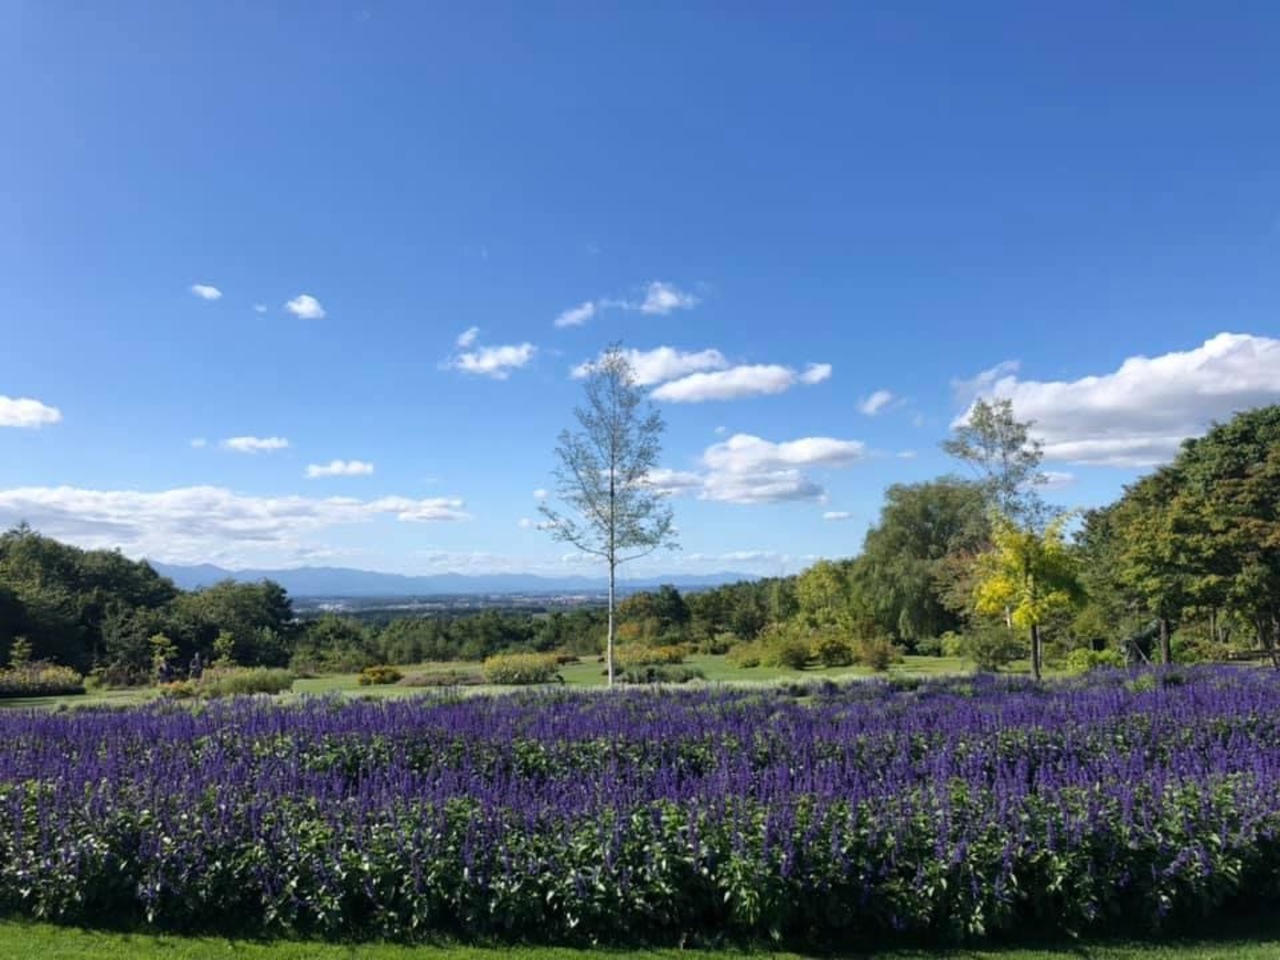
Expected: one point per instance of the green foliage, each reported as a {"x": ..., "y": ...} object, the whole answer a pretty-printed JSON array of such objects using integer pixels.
[
  {"x": 832, "y": 650},
  {"x": 443, "y": 678},
  {"x": 953, "y": 644},
  {"x": 224, "y": 649},
  {"x": 785, "y": 648},
  {"x": 1084, "y": 660},
  {"x": 39, "y": 679},
  {"x": 877, "y": 652},
  {"x": 902, "y": 574},
  {"x": 521, "y": 668},
  {"x": 379, "y": 676},
  {"x": 659, "y": 674},
  {"x": 641, "y": 656},
  {"x": 19, "y": 653},
  {"x": 231, "y": 682},
  {"x": 991, "y": 646},
  {"x": 163, "y": 653},
  {"x": 929, "y": 647}
]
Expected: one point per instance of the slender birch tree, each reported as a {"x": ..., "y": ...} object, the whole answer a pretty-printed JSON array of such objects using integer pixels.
[{"x": 612, "y": 510}]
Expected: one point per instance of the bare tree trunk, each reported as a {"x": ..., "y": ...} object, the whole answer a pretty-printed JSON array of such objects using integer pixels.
[
  {"x": 1035, "y": 652},
  {"x": 1271, "y": 642},
  {"x": 1166, "y": 648},
  {"x": 609, "y": 638}
]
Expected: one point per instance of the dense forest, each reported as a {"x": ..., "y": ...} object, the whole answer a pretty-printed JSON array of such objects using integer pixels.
[{"x": 1185, "y": 565}]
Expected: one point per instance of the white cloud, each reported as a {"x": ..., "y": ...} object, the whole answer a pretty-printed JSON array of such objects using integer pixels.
[
  {"x": 26, "y": 413},
  {"x": 204, "y": 524},
  {"x": 875, "y": 403},
  {"x": 540, "y": 494},
  {"x": 306, "y": 307},
  {"x": 907, "y": 455},
  {"x": 1138, "y": 415},
  {"x": 674, "y": 482},
  {"x": 206, "y": 292},
  {"x": 577, "y": 316},
  {"x": 259, "y": 308},
  {"x": 745, "y": 381},
  {"x": 340, "y": 468},
  {"x": 721, "y": 431},
  {"x": 494, "y": 362},
  {"x": 468, "y": 336},
  {"x": 1057, "y": 479},
  {"x": 526, "y": 523},
  {"x": 254, "y": 444},
  {"x": 815, "y": 373},
  {"x": 744, "y": 453},
  {"x": 198, "y": 443},
  {"x": 749, "y": 470},
  {"x": 837, "y": 515},
  {"x": 661, "y": 298},
  {"x": 662, "y": 364}
]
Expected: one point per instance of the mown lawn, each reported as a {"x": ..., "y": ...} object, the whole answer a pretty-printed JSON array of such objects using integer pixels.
[
  {"x": 24, "y": 940},
  {"x": 588, "y": 673}
]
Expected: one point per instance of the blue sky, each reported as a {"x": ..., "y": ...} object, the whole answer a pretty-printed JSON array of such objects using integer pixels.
[{"x": 810, "y": 207}]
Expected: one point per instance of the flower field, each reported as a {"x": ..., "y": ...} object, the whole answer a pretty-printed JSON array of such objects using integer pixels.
[{"x": 865, "y": 812}]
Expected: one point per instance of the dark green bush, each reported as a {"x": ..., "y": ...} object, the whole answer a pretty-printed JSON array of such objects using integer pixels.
[
  {"x": 878, "y": 653},
  {"x": 443, "y": 678},
  {"x": 657, "y": 674},
  {"x": 992, "y": 646},
  {"x": 832, "y": 650}
]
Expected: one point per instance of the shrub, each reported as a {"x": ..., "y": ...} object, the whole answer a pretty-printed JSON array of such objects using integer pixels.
[
  {"x": 791, "y": 652},
  {"x": 657, "y": 674},
  {"x": 929, "y": 647},
  {"x": 746, "y": 655},
  {"x": 720, "y": 644},
  {"x": 992, "y": 646},
  {"x": 179, "y": 689},
  {"x": 1083, "y": 660},
  {"x": 952, "y": 644},
  {"x": 878, "y": 653},
  {"x": 379, "y": 676},
  {"x": 240, "y": 681},
  {"x": 635, "y": 655},
  {"x": 443, "y": 678},
  {"x": 521, "y": 668},
  {"x": 833, "y": 650},
  {"x": 40, "y": 679}
]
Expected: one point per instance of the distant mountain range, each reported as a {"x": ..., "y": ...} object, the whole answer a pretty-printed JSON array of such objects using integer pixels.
[{"x": 348, "y": 582}]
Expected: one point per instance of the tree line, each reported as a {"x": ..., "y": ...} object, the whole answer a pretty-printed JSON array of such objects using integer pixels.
[{"x": 1184, "y": 565}]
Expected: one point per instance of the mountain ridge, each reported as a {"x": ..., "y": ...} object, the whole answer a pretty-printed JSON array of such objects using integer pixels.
[{"x": 353, "y": 582}]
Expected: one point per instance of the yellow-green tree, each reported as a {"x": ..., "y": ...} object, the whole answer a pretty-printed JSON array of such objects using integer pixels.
[{"x": 1027, "y": 576}]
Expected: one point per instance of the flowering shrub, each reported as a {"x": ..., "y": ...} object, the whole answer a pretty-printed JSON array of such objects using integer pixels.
[
  {"x": 866, "y": 813},
  {"x": 638, "y": 655},
  {"x": 379, "y": 676},
  {"x": 521, "y": 668},
  {"x": 39, "y": 679}
]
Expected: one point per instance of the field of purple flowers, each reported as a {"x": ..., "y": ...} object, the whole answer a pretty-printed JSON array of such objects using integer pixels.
[{"x": 871, "y": 812}]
